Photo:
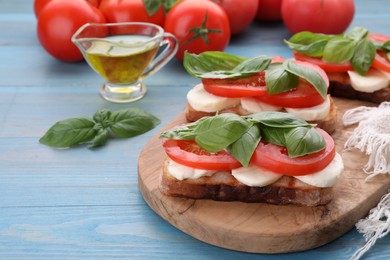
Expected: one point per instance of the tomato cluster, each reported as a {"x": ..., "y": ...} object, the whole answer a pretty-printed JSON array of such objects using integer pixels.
[{"x": 199, "y": 25}]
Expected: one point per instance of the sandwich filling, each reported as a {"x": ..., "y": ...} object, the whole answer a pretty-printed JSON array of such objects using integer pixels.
[
  {"x": 257, "y": 150},
  {"x": 357, "y": 58}
]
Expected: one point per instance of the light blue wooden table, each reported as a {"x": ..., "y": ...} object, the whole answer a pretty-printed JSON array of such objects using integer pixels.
[{"x": 83, "y": 203}]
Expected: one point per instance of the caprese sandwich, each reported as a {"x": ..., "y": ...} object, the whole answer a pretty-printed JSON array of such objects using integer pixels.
[
  {"x": 244, "y": 86},
  {"x": 271, "y": 157},
  {"x": 357, "y": 62}
]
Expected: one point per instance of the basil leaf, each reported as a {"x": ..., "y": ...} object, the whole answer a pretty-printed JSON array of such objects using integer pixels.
[
  {"x": 101, "y": 138},
  {"x": 197, "y": 65},
  {"x": 386, "y": 46},
  {"x": 279, "y": 80},
  {"x": 216, "y": 133},
  {"x": 223, "y": 65},
  {"x": 311, "y": 75},
  {"x": 69, "y": 132},
  {"x": 251, "y": 66},
  {"x": 301, "y": 141},
  {"x": 277, "y": 119},
  {"x": 244, "y": 147},
  {"x": 274, "y": 135},
  {"x": 131, "y": 122},
  {"x": 152, "y": 6},
  {"x": 315, "y": 49},
  {"x": 305, "y": 37},
  {"x": 103, "y": 117},
  {"x": 357, "y": 33},
  {"x": 365, "y": 52},
  {"x": 339, "y": 50},
  {"x": 185, "y": 132}
]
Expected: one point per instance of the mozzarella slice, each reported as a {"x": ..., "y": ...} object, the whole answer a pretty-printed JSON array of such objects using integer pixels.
[
  {"x": 253, "y": 105},
  {"x": 201, "y": 100},
  {"x": 182, "y": 172},
  {"x": 318, "y": 112},
  {"x": 374, "y": 80},
  {"x": 326, "y": 177},
  {"x": 255, "y": 176}
]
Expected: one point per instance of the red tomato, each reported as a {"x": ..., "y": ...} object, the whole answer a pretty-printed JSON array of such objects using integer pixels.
[
  {"x": 304, "y": 95},
  {"x": 190, "y": 154},
  {"x": 269, "y": 10},
  {"x": 326, "y": 66},
  {"x": 39, "y": 4},
  {"x": 275, "y": 158},
  {"x": 240, "y": 13},
  {"x": 130, "y": 11},
  {"x": 199, "y": 25},
  {"x": 253, "y": 85},
  {"x": 319, "y": 16},
  {"x": 59, "y": 20},
  {"x": 381, "y": 61}
]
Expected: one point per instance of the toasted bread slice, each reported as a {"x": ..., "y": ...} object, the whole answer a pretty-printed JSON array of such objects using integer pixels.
[
  {"x": 340, "y": 86},
  {"x": 328, "y": 124},
  {"x": 222, "y": 186}
]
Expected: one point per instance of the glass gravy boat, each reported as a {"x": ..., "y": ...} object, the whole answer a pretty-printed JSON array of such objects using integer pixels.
[{"x": 124, "y": 54}]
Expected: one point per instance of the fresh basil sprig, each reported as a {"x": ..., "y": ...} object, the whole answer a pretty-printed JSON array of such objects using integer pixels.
[
  {"x": 352, "y": 46},
  {"x": 240, "y": 135},
  {"x": 223, "y": 65},
  {"x": 105, "y": 123}
]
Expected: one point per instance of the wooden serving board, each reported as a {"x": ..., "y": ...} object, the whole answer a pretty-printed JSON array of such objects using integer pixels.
[{"x": 260, "y": 227}]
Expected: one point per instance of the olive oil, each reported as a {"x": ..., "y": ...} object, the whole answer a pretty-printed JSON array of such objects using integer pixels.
[{"x": 121, "y": 59}]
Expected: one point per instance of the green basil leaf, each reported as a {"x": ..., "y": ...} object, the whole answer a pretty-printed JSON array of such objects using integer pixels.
[
  {"x": 357, "y": 33},
  {"x": 185, "y": 132},
  {"x": 103, "y": 118},
  {"x": 244, "y": 147},
  {"x": 197, "y": 65},
  {"x": 279, "y": 80},
  {"x": 311, "y": 75},
  {"x": 301, "y": 141},
  {"x": 69, "y": 132},
  {"x": 223, "y": 65},
  {"x": 306, "y": 38},
  {"x": 277, "y": 119},
  {"x": 274, "y": 135},
  {"x": 365, "y": 52},
  {"x": 101, "y": 138},
  {"x": 315, "y": 49},
  {"x": 254, "y": 65},
  {"x": 131, "y": 122},
  {"x": 386, "y": 46},
  {"x": 339, "y": 50},
  {"x": 152, "y": 6},
  {"x": 216, "y": 133}
]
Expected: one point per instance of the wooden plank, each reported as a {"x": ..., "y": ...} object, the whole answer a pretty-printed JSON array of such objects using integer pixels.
[{"x": 260, "y": 227}]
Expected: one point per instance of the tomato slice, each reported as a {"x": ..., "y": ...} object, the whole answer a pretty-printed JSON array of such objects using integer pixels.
[
  {"x": 250, "y": 86},
  {"x": 304, "y": 95},
  {"x": 326, "y": 66},
  {"x": 381, "y": 62},
  {"x": 188, "y": 153},
  {"x": 253, "y": 85},
  {"x": 275, "y": 158},
  {"x": 378, "y": 37}
]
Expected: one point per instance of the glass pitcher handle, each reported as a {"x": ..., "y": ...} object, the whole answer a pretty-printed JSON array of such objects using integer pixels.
[{"x": 170, "y": 45}]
